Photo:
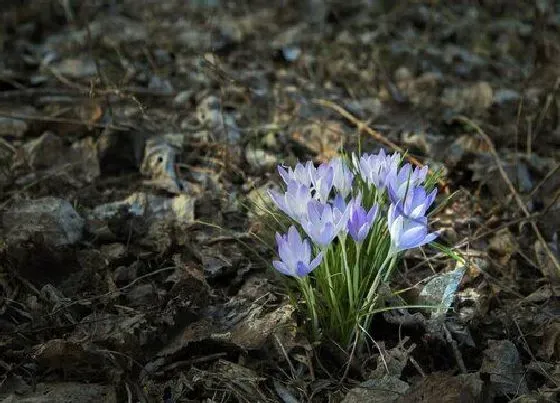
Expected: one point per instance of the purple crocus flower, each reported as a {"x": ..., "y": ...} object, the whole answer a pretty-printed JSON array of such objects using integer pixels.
[
  {"x": 323, "y": 222},
  {"x": 342, "y": 176},
  {"x": 374, "y": 168},
  {"x": 294, "y": 201},
  {"x": 417, "y": 202},
  {"x": 339, "y": 204},
  {"x": 407, "y": 233},
  {"x": 360, "y": 220},
  {"x": 401, "y": 181},
  {"x": 322, "y": 180},
  {"x": 295, "y": 255},
  {"x": 302, "y": 174}
]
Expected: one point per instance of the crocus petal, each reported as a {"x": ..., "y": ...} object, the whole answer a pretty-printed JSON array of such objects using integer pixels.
[
  {"x": 412, "y": 237},
  {"x": 316, "y": 262},
  {"x": 302, "y": 269},
  {"x": 432, "y": 236},
  {"x": 295, "y": 254},
  {"x": 282, "y": 268},
  {"x": 306, "y": 251},
  {"x": 339, "y": 203},
  {"x": 277, "y": 199},
  {"x": 284, "y": 251},
  {"x": 372, "y": 213},
  {"x": 314, "y": 210},
  {"x": 294, "y": 239},
  {"x": 284, "y": 174},
  {"x": 342, "y": 176}
]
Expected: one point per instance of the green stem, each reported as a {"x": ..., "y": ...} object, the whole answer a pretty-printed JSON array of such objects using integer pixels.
[
  {"x": 391, "y": 267},
  {"x": 366, "y": 307},
  {"x": 334, "y": 304},
  {"x": 356, "y": 272},
  {"x": 375, "y": 285},
  {"x": 349, "y": 280},
  {"x": 309, "y": 297}
]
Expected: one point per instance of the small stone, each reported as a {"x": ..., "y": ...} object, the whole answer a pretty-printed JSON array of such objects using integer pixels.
[
  {"x": 53, "y": 220},
  {"x": 503, "y": 245},
  {"x": 322, "y": 138},
  {"x": 259, "y": 159},
  {"x": 270, "y": 140},
  {"x": 84, "y": 157},
  {"x": 6, "y": 160},
  {"x": 403, "y": 74},
  {"x": 476, "y": 98},
  {"x": 367, "y": 108},
  {"x": 195, "y": 39},
  {"x": 183, "y": 208},
  {"x": 159, "y": 164},
  {"x": 209, "y": 112},
  {"x": 113, "y": 251},
  {"x": 386, "y": 389},
  {"x": 142, "y": 295},
  {"x": 182, "y": 98},
  {"x": 124, "y": 275},
  {"x": 160, "y": 84},
  {"x": 444, "y": 388},
  {"x": 10, "y": 127},
  {"x": 503, "y": 365},
  {"x": 291, "y": 53},
  {"x": 223, "y": 125},
  {"x": 162, "y": 57},
  {"x": 76, "y": 68},
  {"x": 44, "y": 151},
  {"x": 66, "y": 392},
  {"x": 505, "y": 95}
]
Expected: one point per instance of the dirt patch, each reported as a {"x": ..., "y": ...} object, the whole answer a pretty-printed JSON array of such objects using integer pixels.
[{"x": 136, "y": 137}]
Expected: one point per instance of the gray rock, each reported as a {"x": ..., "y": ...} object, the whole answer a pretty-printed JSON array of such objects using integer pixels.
[
  {"x": 76, "y": 68},
  {"x": 159, "y": 162},
  {"x": 386, "y": 389},
  {"x": 123, "y": 275},
  {"x": 291, "y": 53},
  {"x": 505, "y": 95},
  {"x": 55, "y": 220},
  {"x": 113, "y": 251},
  {"x": 142, "y": 295},
  {"x": 209, "y": 112},
  {"x": 85, "y": 158},
  {"x": 12, "y": 127},
  {"x": 7, "y": 153},
  {"x": 48, "y": 152},
  {"x": 179, "y": 208},
  {"x": 112, "y": 30},
  {"x": 182, "y": 98},
  {"x": 367, "y": 108},
  {"x": 223, "y": 125},
  {"x": 57, "y": 392},
  {"x": 475, "y": 99},
  {"x": 162, "y": 57},
  {"x": 160, "y": 84},
  {"x": 502, "y": 363},
  {"x": 44, "y": 151},
  {"x": 195, "y": 39}
]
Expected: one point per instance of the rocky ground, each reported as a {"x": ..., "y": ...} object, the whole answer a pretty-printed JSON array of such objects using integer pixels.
[{"x": 136, "y": 139}]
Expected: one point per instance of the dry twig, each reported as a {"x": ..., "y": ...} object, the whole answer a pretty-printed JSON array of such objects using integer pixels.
[
  {"x": 364, "y": 127},
  {"x": 511, "y": 188}
]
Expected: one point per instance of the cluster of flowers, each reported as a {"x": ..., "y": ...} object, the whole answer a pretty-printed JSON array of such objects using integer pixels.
[{"x": 325, "y": 203}]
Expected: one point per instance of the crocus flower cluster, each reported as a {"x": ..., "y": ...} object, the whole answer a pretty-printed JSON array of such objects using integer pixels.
[
  {"x": 350, "y": 220},
  {"x": 324, "y": 202}
]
